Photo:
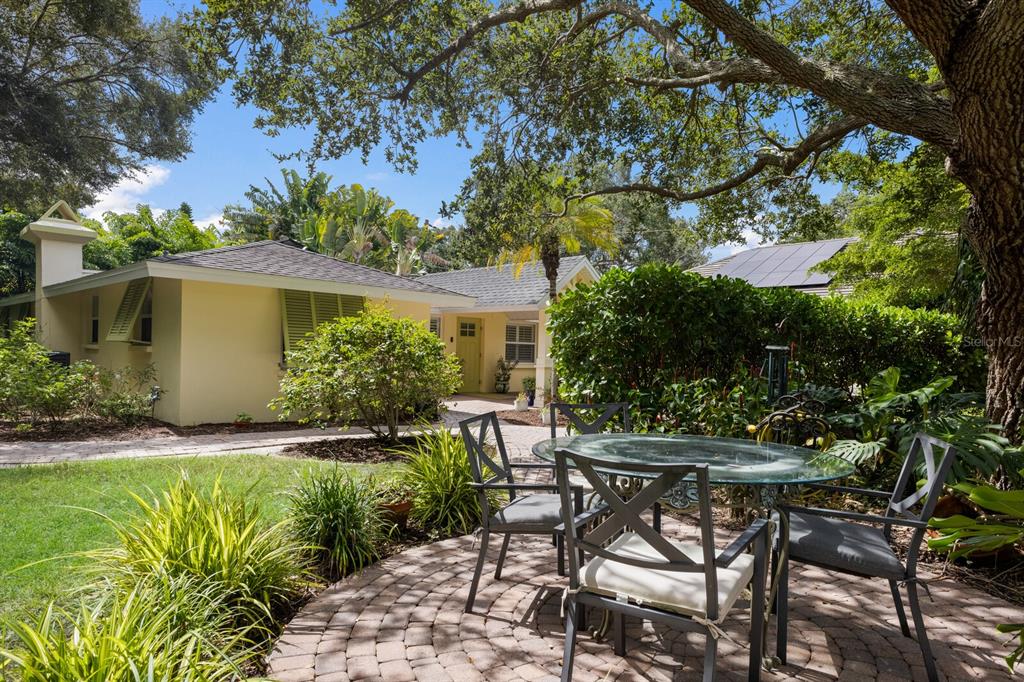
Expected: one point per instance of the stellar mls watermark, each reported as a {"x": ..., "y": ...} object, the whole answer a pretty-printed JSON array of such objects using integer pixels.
[{"x": 997, "y": 342}]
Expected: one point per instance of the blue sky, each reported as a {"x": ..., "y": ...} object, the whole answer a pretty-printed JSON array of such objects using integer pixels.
[{"x": 229, "y": 154}]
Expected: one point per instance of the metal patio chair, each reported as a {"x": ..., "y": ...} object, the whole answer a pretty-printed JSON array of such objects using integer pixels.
[
  {"x": 636, "y": 572},
  {"x": 831, "y": 540},
  {"x": 606, "y": 413},
  {"x": 572, "y": 411},
  {"x": 534, "y": 514}
]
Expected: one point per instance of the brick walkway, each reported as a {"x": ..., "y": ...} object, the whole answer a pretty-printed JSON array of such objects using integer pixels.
[{"x": 402, "y": 619}]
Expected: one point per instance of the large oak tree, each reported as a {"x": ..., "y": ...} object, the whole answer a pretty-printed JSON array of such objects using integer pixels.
[
  {"x": 731, "y": 104},
  {"x": 89, "y": 90}
]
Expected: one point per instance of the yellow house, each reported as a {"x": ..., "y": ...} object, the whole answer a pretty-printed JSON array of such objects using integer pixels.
[
  {"x": 215, "y": 324},
  {"x": 506, "y": 320}
]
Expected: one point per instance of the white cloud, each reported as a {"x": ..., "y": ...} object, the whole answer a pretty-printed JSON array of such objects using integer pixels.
[
  {"x": 212, "y": 220},
  {"x": 441, "y": 222},
  {"x": 750, "y": 240},
  {"x": 377, "y": 176},
  {"x": 128, "y": 193}
]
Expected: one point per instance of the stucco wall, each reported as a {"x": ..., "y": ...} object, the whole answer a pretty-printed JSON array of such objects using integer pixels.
[
  {"x": 230, "y": 351},
  {"x": 415, "y": 310}
]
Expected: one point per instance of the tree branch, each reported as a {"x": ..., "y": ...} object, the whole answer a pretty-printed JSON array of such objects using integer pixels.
[
  {"x": 512, "y": 14},
  {"x": 891, "y": 102},
  {"x": 824, "y": 138}
]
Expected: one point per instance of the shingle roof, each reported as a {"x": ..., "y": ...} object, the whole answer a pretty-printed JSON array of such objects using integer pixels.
[
  {"x": 779, "y": 265},
  {"x": 283, "y": 259},
  {"x": 498, "y": 286}
]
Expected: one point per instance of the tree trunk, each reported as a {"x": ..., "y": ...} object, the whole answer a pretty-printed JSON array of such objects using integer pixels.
[
  {"x": 982, "y": 70},
  {"x": 551, "y": 257},
  {"x": 996, "y": 234}
]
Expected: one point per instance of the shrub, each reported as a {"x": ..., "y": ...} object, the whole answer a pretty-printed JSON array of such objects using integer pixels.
[
  {"x": 33, "y": 386},
  {"x": 215, "y": 538},
  {"x": 632, "y": 333},
  {"x": 123, "y": 394},
  {"x": 372, "y": 367},
  {"x": 125, "y": 637},
  {"x": 341, "y": 518},
  {"x": 437, "y": 470}
]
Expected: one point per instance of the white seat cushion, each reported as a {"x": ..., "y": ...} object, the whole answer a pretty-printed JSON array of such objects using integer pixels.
[{"x": 669, "y": 590}]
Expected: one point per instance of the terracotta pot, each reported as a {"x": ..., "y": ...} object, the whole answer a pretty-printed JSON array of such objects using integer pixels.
[{"x": 397, "y": 512}]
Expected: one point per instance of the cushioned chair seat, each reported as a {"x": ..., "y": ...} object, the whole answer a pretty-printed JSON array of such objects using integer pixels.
[
  {"x": 669, "y": 590},
  {"x": 540, "y": 512},
  {"x": 847, "y": 546}
]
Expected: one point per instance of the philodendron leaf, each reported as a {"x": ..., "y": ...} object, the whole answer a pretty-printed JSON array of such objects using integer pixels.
[{"x": 856, "y": 452}]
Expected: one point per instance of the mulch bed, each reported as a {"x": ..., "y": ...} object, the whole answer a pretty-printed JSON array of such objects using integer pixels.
[
  {"x": 530, "y": 417},
  {"x": 351, "y": 450},
  {"x": 97, "y": 429}
]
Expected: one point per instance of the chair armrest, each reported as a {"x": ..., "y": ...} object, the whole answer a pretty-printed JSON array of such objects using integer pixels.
[
  {"x": 857, "y": 516},
  {"x": 532, "y": 465},
  {"x": 739, "y": 545},
  {"x": 514, "y": 486},
  {"x": 583, "y": 519},
  {"x": 848, "y": 490}
]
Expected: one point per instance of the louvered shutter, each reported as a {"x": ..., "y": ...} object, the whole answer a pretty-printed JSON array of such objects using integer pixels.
[
  {"x": 325, "y": 307},
  {"x": 128, "y": 311},
  {"x": 297, "y": 316},
  {"x": 350, "y": 305}
]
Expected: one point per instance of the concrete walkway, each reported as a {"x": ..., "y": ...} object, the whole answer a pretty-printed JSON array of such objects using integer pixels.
[{"x": 518, "y": 438}]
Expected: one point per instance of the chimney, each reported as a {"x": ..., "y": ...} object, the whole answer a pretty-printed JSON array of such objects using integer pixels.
[{"x": 58, "y": 237}]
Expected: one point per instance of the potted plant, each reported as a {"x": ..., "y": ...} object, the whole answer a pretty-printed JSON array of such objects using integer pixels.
[
  {"x": 394, "y": 496},
  {"x": 503, "y": 374},
  {"x": 243, "y": 420},
  {"x": 530, "y": 389},
  {"x": 545, "y": 414},
  {"x": 522, "y": 402}
]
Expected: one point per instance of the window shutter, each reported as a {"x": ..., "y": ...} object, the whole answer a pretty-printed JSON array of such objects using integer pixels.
[
  {"x": 297, "y": 316},
  {"x": 128, "y": 311},
  {"x": 326, "y": 307},
  {"x": 350, "y": 305}
]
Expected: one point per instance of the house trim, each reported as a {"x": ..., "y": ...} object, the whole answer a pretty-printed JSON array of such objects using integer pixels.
[{"x": 221, "y": 276}]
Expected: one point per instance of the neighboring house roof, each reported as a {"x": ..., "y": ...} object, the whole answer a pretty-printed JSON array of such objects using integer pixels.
[
  {"x": 272, "y": 264},
  {"x": 498, "y": 287},
  {"x": 780, "y": 265}
]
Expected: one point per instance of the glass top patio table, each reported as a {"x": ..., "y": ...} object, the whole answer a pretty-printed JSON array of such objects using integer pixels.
[{"x": 729, "y": 460}]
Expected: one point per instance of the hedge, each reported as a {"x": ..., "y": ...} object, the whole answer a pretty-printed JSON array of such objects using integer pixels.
[{"x": 632, "y": 333}]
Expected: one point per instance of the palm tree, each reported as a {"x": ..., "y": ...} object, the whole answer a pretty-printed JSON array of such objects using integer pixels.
[
  {"x": 274, "y": 213},
  {"x": 561, "y": 224}
]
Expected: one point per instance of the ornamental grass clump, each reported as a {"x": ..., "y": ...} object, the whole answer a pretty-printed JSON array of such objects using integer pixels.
[
  {"x": 340, "y": 518},
  {"x": 219, "y": 540},
  {"x": 143, "y": 633},
  {"x": 437, "y": 470}
]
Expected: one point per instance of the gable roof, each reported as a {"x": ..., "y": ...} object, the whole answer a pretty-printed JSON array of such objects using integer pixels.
[
  {"x": 273, "y": 264},
  {"x": 779, "y": 265},
  {"x": 498, "y": 287}
]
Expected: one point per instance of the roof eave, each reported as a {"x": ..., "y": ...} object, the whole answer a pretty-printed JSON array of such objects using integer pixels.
[
  {"x": 222, "y": 276},
  {"x": 17, "y": 299}
]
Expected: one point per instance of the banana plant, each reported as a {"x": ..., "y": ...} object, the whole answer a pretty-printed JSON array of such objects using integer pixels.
[{"x": 1000, "y": 524}]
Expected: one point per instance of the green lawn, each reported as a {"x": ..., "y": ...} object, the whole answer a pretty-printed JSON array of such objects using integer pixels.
[{"x": 37, "y": 520}]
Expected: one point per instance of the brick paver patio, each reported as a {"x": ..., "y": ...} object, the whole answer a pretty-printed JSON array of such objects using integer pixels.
[{"x": 403, "y": 619}]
